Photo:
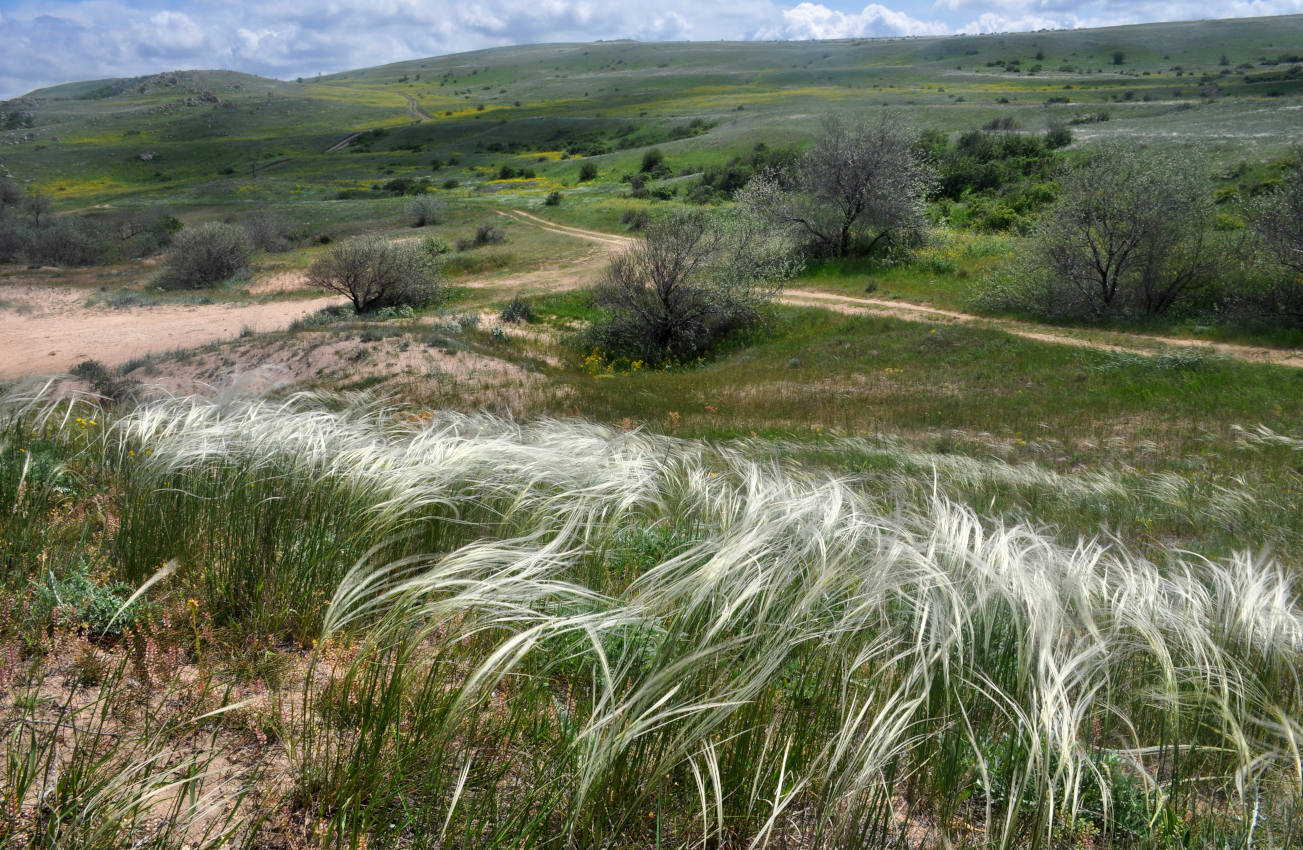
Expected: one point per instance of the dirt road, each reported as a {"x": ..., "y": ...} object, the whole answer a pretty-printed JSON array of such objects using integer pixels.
[
  {"x": 611, "y": 239},
  {"x": 413, "y": 107},
  {"x": 1131, "y": 343},
  {"x": 56, "y": 330},
  {"x": 46, "y": 330}
]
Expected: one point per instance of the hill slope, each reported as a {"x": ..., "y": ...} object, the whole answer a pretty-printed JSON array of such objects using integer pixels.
[{"x": 1233, "y": 87}]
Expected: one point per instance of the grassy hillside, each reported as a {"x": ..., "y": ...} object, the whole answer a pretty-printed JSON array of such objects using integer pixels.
[{"x": 1231, "y": 88}]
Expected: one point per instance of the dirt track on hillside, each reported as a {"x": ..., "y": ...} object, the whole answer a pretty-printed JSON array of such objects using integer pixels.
[{"x": 46, "y": 330}]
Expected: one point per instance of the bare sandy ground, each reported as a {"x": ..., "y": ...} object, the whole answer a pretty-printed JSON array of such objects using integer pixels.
[{"x": 54, "y": 330}]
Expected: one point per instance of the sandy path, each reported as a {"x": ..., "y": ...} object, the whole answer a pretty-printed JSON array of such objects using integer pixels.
[
  {"x": 566, "y": 230},
  {"x": 414, "y": 108},
  {"x": 342, "y": 143},
  {"x": 1120, "y": 342},
  {"x": 55, "y": 330},
  {"x": 53, "y": 340}
]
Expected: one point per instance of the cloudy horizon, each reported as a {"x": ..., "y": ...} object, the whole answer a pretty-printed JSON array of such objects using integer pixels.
[{"x": 58, "y": 41}]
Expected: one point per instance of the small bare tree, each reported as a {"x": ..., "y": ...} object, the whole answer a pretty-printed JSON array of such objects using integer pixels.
[
  {"x": 861, "y": 183},
  {"x": 37, "y": 206},
  {"x": 1131, "y": 233},
  {"x": 692, "y": 278},
  {"x": 374, "y": 273}
]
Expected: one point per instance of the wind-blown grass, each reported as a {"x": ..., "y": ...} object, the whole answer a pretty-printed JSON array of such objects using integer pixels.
[{"x": 560, "y": 634}]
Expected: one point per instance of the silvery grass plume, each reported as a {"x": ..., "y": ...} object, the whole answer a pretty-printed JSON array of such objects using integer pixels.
[{"x": 606, "y": 623}]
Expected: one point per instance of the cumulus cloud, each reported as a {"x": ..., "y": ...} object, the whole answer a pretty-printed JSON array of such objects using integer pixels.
[{"x": 814, "y": 20}]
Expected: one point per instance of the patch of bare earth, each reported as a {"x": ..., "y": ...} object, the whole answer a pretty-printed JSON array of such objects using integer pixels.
[
  {"x": 55, "y": 330},
  {"x": 257, "y": 365}
]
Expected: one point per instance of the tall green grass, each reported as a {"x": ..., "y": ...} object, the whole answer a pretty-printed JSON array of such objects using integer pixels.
[{"x": 565, "y": 635}]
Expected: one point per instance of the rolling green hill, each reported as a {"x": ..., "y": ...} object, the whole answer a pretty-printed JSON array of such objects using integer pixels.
[{"x": 1232, "y": 88}]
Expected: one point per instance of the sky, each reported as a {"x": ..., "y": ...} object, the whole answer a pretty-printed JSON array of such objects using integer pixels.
[{"x": 54, "y": 41}]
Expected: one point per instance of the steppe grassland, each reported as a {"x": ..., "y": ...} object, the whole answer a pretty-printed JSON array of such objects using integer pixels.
[
  {"x": 553, "y": 614},
  {"x": 1039, "y": 579}
]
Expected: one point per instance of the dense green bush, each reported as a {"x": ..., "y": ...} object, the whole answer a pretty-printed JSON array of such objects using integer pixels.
[
  {"x": 721, "y": 182},
  {"x": 427, "y": 210},
  {"x": 82, "y": 600},
  {"x": 63, "y": 241},
  {"x": 205, "y": 255},
  {"x": 1132, "y": 235},
  {"x": 374, "y": 274},
  {"x": 1277, "y": 219},
  {"x": 692, "y": 279},
  {"x": 517, "y": 310}
]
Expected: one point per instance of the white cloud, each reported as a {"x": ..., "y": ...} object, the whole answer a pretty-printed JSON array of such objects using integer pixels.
[
  {"x": 995, "y": 22},
  {"x": 814, "y": 20}
]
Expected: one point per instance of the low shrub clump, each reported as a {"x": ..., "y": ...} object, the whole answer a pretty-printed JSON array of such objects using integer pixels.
[
  {"x": 205, "y": 255},
  {"x": 374, "y": 274}
]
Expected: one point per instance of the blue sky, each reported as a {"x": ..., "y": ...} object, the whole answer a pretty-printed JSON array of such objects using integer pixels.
[{"x": 54, "y": 41}]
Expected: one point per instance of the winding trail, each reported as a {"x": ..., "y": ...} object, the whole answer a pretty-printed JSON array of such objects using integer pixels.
[
  {"x": 342, "y": 143},
  {"x": 1116, "y": 341},
  {"x": 46, "y": 329},
  {"x": 413, "y": 107},
  {"x": 612, "y": 239}
]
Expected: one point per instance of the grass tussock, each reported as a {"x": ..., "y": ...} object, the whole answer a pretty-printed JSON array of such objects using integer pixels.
[{"x": 565, "y": 635}]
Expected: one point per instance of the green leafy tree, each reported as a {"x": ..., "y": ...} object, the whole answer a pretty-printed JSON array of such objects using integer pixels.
[
  {"x": 373, "y": 273},
  {"x": 861, "y": 184},
  {"x": 1131, "y": 233},
  {"x": 691, "y": 279}
]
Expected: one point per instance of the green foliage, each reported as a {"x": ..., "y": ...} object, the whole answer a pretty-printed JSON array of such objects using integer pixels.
[
  {"x": 76, "y": 599},
  {"x": 722, "y": 182},
  {"x": 205, "y": 255},
  {"x": 374, "y": 273},
  {"x": 102, "y": 382},
  {"x": 427, "y": 210},
  {"x": 66, "y": 241},
  {"x": 587, "y": 171},
  {"x": 1132, "y": 234},
  {"x": 652, "y": 161},
  {"x": 517, "y": 310},
  {"x": 1004, "y": 179},
  {"x": 553, "y": 199}
]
